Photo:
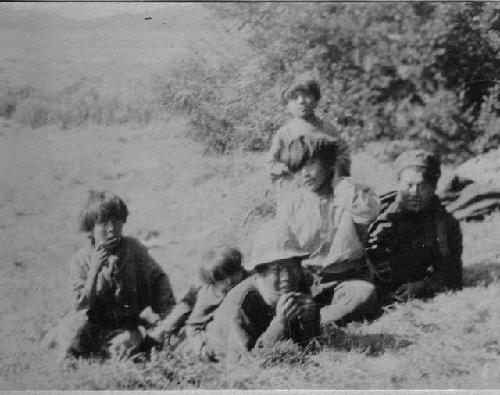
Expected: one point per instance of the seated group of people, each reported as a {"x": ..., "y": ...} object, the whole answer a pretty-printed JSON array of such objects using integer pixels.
[{"x": 334, "y": 253}]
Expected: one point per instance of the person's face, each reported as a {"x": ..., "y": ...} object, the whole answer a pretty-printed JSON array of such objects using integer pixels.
[
  {"x": 107, "y": 231},
  {"x": 414, "y": 191},
  {"x": 278, "y": 278},
  {"x": 314, "y": 174},
  {"x": 301, "y": 104}
]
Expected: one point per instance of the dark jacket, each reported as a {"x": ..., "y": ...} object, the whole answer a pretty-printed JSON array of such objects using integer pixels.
[
  {"x": 405, "y": 247},
  {"x": 245, "y": 321},
  {"x": 195, "y": 309},
  {"x": 136, "y": 283}
]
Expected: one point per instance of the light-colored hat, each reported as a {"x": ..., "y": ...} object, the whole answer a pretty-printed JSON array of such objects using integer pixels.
[
  {"x": 272, "y": 244},
  {"x": 419, "y": 158},
  {"x": 306, "y": 82}
]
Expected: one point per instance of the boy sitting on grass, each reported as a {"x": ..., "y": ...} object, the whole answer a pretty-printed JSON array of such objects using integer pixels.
[
  {"x": 301, "y": 99},
  {"x": 113, "y": 281},
  {"x": 220, "y": 270},
  {"x": 271, "y": 305}
]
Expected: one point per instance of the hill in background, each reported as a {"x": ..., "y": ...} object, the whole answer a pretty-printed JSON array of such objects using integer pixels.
[{"x": 49, "y": 51}]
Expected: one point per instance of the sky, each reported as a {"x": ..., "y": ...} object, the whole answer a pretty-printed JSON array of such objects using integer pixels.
[{"x": 91, "y": 10}]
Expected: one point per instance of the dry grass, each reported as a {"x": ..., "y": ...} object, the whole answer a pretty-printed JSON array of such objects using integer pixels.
[{"x": 183, "y": 202}]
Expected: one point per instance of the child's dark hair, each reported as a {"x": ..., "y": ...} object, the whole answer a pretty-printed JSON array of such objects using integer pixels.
[
  {"x": 305, "y": 148},
  {"x": 307, "y": 85},
  {"x": 101, "y": 206},
  {"x": 220, "y": 263}
]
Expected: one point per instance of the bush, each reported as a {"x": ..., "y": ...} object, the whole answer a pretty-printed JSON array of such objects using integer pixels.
[
  {"x": 83, "y": 103},
  {"x": 488, "y": 123},
  {"x": 227, "y": 106},
  {"x": 389, "y": 150},
  {"x": 395, "y": 72},
  {"x": 34, "y": 112},
  {"x": 11, "y": 97},
  {"x": 425, "y": 73}
]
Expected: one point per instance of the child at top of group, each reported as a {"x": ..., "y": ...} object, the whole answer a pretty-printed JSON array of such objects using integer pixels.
[
  {"x": 301, "y": 99},
  {"x": 220, "y": 270},
  {"x": 113, "y": 280}
]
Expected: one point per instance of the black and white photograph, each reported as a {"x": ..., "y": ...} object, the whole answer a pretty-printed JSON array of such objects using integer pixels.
[{"x": 249, "y": 196}]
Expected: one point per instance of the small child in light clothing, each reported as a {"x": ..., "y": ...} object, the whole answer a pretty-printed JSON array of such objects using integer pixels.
[
  {"x": 220, "y": 270},
  {"x": 301, "y": 99}
]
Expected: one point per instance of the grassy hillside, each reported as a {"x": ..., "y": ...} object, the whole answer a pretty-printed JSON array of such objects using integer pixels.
[
  {"x": 182, "y": 202},
  {"x": 67, "y": 72},
  {"x": 50, "y": 52}
]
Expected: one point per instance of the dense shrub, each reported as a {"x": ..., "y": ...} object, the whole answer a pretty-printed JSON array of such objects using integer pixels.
[
  {"x": 10, "y": 97},
  {"x": 82, "y": 103},
  {"x": 34, "y": 112},
  {"x": 228, "y": 106},
  {"x": 488, "y": 122},
  {"x": 422, "y": 72}
]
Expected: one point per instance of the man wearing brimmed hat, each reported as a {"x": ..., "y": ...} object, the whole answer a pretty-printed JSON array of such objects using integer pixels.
[
  {"x": 301, "y": 98},
  {"x": 270, "y": 305},
  {"x": 414, "y": 245}
]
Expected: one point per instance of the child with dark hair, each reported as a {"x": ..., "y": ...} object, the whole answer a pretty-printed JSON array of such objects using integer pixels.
[
  {"x": 301, "y": 99},
  {"x": 330, "y": 220},
  {"x": 220, "y": 270},
  {"x": 273, "y": 304},
  {"x": 100, "y": 207},
  {"x": 113, "y": 280}
]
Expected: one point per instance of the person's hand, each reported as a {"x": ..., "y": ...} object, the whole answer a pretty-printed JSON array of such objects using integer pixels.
[
  {"x": 109, "y": 245},
  {"x": 103, "y": 265},
  {"x": 207, "y": 354},
  {"x": 99, "y": 259},
  {"x": 305, "y": 303},
  {"x": 158, "y": 334},
  {"x": 107, "y": 269},
  {"x": 196, "y": 343},
  {"x": 122, "y": 345},
  {"x": 409, "y": 290},
  {"x": 148, "y": 317},
  {"x": 103, "y": 254},
  {"x": 279, "y": 170},
  {"x": 288, "y": 306},
  {"x": 282, "y": 169},
  {"x": 303, "y": 299}
]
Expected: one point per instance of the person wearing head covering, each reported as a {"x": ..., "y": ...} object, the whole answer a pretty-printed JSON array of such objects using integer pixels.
[
  {"x": 328, "y": 217},
  {"x": 415, "y": 246},
  {"x": 272, "y": 304},
  {"x": 301, "y": 98}
]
